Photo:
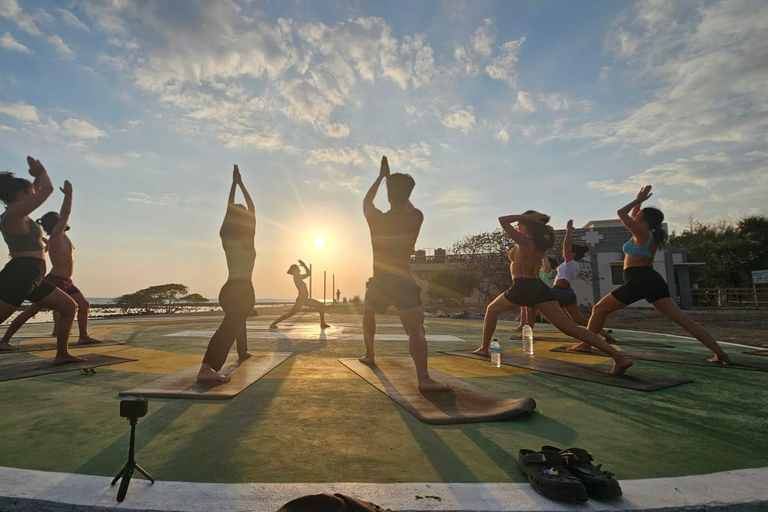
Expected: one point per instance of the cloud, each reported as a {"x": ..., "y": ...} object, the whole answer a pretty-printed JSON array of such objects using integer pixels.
[
  {"x": 502, "y": 136},
  {"x": 9, "y": 43},
  {"x": 482, "y": 40},
  {"x": 604, "y": 72},
  {"x": 460, "y": 118},
  {"x": 561, "y": 102},
  {"x": 159, "y": 199},
  {"x": 11, "y": 10},
  {"x": 20, "y": 111},
  {"x": 504, "y": 66},
  {"x": 263, "y": 140},
  {"x": 64, "y": 51},
  {"x": 416, "y": 156},
  {"x": 337, "y": 131},
  {"x": 469, "y": 56},
  {"x": 524, "y": 102},
  {"x": 83, "y": 130},
  {"x": 73, "y": 20}
]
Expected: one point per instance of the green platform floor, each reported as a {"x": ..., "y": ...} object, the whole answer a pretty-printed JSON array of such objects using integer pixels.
[{"x": 313, "y": 420}]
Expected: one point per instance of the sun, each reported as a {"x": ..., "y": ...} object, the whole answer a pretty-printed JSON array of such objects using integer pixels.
[{"x": 319, "y": 242}]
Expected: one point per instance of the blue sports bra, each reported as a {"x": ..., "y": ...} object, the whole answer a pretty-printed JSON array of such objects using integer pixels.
[{"x": 630, "y": 248}]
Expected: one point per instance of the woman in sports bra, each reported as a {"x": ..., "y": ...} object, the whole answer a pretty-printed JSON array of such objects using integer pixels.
[
  {"x": 22, "y": 277},
  {"x": 641, "y": 281},
  {"x": 532, "y": 238},
  {"x": 567, "y": 272},
  {"x": 236, "y": 296}
]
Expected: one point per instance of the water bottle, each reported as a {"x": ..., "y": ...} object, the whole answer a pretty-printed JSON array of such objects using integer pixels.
[
  {"x": 528, "y": 340},
  {"x": 496, "y": 353}
]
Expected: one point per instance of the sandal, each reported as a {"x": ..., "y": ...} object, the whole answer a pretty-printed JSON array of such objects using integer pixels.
[
  {"x": 548, "y": 474},
  {"x": 600, "y": 484}
]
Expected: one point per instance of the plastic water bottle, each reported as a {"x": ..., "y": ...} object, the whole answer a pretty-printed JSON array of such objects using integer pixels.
[
  {"x": 496, "y": 353},
  {"x": 528, "y": 340}
]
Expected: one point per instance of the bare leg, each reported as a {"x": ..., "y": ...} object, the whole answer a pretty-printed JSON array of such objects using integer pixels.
[
  {"x": 413, "y": 322},
  {"x": 59, "y": 301},
  {"x": 669, "y": 308},
  {"x": 242, "y": 342},
  {"x": 295, "y": 309},
  {"x": 56, "y": 317},
  {"x": 5, "y": 343},
  {"x": 499, "y": 305},
  {"x": 600, "y": 312},
  {"x": 83, "y": 307},
  {"x": 575, "y": 313},
  {"x": 555, "y": 314},
  {"x": 369, "y": 332},
  {"x": 320, "y": 307}
]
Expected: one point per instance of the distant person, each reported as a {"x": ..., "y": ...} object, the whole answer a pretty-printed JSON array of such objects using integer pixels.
[
  {"x": 61, "y": 253},
  {"x": 303, "y": 298},
  {"x": 393, "y": 237},
  {"x": 338, "y": 296},
  {"x": 236, "y": 296},
  {"x": 641, "y": 281},
  {"x": 22, "y": 277},
  {"x": 532, "y": 238},
  {"x": 567, "y": 272}
]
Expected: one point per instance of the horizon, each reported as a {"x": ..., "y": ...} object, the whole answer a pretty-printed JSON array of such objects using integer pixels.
[{"x": 494, "y": 108}]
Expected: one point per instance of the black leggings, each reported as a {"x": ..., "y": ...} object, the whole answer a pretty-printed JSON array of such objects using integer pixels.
[{"x": 236, "y": 299}]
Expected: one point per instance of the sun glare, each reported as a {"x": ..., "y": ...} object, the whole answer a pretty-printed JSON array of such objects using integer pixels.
[{"x": 319, "y": 242}]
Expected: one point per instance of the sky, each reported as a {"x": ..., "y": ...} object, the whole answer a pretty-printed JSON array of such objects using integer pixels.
[{"x": 495, "y": 108}]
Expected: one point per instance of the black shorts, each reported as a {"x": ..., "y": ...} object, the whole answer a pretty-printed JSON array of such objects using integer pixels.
[
  {"x": 529, "y": 292},
  {"x": 565, "y": 296},
  {"x": 22, "y": 278},
  {"x": 384, "y": 290},
  {"x": 641, "y": 283}
]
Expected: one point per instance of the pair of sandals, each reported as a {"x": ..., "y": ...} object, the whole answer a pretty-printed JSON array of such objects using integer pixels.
[{"x": 567, "y": 475}]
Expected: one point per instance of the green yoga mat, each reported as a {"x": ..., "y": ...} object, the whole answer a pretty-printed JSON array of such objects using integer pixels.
[
  {"x": 679, "y": 358},
  {"x": 590, "y": 372},
  {"x": 36, "y": 347},
  {"x": 12, "y": 371},
  {"x": 465, "y": 403}
]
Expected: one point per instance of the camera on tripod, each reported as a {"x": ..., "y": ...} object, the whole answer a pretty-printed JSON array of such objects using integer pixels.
[{"x": 134, "y": 407}]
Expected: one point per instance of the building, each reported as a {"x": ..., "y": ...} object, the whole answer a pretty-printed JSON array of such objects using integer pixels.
[{"x": 601, "y": 268}]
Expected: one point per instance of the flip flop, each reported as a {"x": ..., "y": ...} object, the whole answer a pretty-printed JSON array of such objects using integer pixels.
[
  {"x": 600, "y": 484},
  {"x": 548, "y": 474}
]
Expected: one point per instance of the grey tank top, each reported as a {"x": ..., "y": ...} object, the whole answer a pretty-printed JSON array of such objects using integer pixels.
[{"x": 29, "y": 242}]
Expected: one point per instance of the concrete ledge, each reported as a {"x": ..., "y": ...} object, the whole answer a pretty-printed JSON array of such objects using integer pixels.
[{"x": 39, "y": 491}]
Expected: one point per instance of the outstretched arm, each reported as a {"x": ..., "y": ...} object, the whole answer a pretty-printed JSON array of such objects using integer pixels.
[
  {"x": 233, "y": 188},
  {"x": 246, "y": 195},
  {"x": 507, "y": 221},
  {"x": 307, "y": 272},
  {"x": 371, "y": 195},
  {"x": 66, "y": 209},
  {"x": 567, "y": 250},
  {"x": 43, "y": 190},
  {"x": 639, "y": 233}
]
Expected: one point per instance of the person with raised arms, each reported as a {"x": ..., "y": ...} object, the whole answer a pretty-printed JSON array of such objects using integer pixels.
[
  {"x": 393, "y": 238},
  {"x": 532, "y": 239},
  {"x": 22, "y": 277},
  {"x": 236, "y": 297},
  {"x": 303, "y": 298},
  {"x": 61, "y": 253},
  {"x": 641, "y": 281}
]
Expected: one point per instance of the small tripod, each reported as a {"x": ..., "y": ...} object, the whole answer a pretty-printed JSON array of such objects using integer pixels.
[{"x": 127, "y": 471}]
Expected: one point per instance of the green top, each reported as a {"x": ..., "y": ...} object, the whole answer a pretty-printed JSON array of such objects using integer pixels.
[
  {"x": 240, "y": 259},
  {"x": 32, "y": 240},
  {"x": 547, "y": 276}
]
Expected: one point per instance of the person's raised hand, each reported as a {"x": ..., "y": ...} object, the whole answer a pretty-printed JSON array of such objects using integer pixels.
[
  {"x": 67, "y": 188},
  {"x": 36, "y": 169},
  {"x": 569, "y": 226},
  {"x": 236, "y": 175},
  {"x": 384, "y": 170},
  {"x": 644, "y": 194},
  {"x": 302, "y": 263}
]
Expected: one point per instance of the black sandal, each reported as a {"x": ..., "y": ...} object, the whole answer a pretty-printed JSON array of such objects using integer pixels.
[
  {"x": 600, "y": 484},
  {"x": 548, "y": 474}
]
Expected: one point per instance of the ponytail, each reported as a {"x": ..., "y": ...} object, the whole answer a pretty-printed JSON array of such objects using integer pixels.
[
  {"x": 542, "y": 235},
  {"x": 654, "y": 217}
]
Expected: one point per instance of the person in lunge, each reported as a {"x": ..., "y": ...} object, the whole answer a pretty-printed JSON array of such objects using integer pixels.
[{"x": 303, "y": 298}]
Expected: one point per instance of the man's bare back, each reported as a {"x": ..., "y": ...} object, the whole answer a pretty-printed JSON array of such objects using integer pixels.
[{"x": 61, "y": 252}]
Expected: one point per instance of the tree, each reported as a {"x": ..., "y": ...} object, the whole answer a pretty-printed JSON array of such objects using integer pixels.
[
  {"x": 485, "y": 258},
  {"x": 451, "y": 286},
  {"x": 194, "y": 298},
  {"x": 164, "y": 295}
]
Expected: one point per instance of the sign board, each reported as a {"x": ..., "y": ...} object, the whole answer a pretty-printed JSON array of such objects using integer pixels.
[{"x": 760, "y": 277}]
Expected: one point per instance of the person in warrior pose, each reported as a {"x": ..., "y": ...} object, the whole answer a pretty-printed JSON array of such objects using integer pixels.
[
  {"x": 236, "y": 296},
  {"x": 393, "y": 238},
  {"x": 61, "y": 252},
  {"x": 22, "y": 277},
  {"x": 303, "y": 298},
  {"x": 567, "y": 272},
  {"x": 532, "y": 238},
  {"x": 641, "y": 281}
]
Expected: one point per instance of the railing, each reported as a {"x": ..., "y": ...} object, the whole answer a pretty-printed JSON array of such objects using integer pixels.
[{"x": 731, "y": 297}]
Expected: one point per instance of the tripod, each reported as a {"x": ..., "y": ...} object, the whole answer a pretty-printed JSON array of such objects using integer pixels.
[{"x": 127, "y": 471}]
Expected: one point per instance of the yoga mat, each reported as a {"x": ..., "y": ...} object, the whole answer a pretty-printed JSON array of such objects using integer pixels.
[
  {"x": 465, "y": 403},
  {"x": 679, "y": 358},
  {"x": 591, "y": 373},
  {"x": 182, "y": 384},
  {"x": 566, "y": 338},
  {"x": 761, "y": 352},
  {"x": 36, "y": 347},
  {"x": 303, "y": 335},
  {"x": 12, "y": 371}
]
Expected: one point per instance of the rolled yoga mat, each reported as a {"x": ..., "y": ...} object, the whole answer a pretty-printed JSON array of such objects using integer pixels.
[
  {"x": 588, "y": 372},
  {"x": 36, "y": 347},
  {"x": 183, "y": 384},
  {"x": 678, "y": 358},
  {"x": 465, "y": 403},
  {"x": 12, "y": 371}
]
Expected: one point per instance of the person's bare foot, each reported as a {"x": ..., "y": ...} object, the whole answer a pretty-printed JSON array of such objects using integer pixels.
[
  {"x": 324, "y": 326},
  {"x": 87, "y": 340},
  {"x": 481, "y": 352},
  {"x": 67, "y": 358},
  {"x": 244, "y": 356},
  {"x": 620, "y": 366},
  {"x": 272, "y": 327},
  {"x": 581, "y": 347},
  {"x": 7, "y": 347},
  {"x": 367, "y": 360},
  {"x": 610, "y": 339},
  {"x": 206, "y": 374},
  {"x": 720, "y": 359},
  {"x": 433, "y": 385}
]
